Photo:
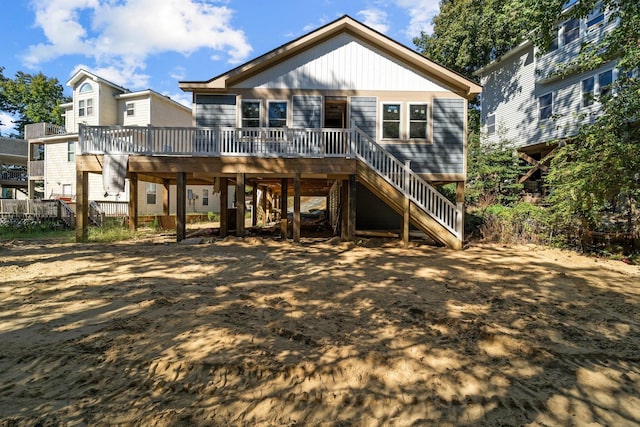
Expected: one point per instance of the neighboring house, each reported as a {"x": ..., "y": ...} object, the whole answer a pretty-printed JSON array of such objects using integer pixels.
[
  {"x": 13, "y": 168},
  {"x": 99, "y": 102},
  {"x": 343, "y": 112},
  {"x": 525, "y": 103}
]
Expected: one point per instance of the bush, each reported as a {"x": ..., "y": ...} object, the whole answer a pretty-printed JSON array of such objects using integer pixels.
[{"x": 521, "y": 223}]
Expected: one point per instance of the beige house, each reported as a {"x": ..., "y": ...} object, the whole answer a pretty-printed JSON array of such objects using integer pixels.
[
  {"x": 99, "y": 102},
  {"x": 343, "y": 112}
]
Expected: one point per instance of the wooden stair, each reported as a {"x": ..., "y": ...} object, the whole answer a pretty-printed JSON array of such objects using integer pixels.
[{"x": 396, "y": 200}]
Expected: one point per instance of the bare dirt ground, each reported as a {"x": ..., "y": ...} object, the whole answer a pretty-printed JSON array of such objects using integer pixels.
[{"x": 260, "y": 332}]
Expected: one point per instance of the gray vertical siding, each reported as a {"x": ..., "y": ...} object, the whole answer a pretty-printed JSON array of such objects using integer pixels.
[
  {"x": 306, "y": 111},
  {"x": 216, "y": 110},
  {"x": 364, "y": 113},
  {"x": 446, "y": 154}
]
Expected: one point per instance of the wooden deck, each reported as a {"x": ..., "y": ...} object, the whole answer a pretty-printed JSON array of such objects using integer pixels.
[{"x": 279, "y": 160}]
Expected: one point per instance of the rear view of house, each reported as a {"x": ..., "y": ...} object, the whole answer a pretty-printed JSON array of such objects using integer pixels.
[{"x": 342, "y": 112}]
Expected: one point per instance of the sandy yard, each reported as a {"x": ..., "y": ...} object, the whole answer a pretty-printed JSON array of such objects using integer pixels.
[{"x": 259, "y": 332}]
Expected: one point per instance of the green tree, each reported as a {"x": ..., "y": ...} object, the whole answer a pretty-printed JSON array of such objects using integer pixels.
[{"x": 33, "y": 98}]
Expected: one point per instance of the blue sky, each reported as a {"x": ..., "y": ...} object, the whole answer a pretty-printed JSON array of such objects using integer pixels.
[{"x": 154, "y": 44}]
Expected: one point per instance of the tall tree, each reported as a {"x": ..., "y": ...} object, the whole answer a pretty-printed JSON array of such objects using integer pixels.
[{"x": 33, "y": 98}]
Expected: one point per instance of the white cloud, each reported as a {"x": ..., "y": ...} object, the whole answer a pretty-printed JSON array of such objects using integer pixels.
[
  {"x": 375, "y": 18},
  {"x": 421, "y": 13},
  {"x": 183, "y": 98},
  {"x": 6, "y": 124},
  {"x": 121, "y": 34}
]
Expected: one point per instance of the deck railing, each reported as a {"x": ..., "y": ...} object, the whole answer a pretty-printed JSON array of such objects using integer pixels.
[
  {"x": 275, "y": 142},
  {"x": 38, "y": 130}
]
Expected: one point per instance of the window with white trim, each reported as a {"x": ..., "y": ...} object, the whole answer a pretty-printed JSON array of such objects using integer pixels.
[
  {"x": 391, "y": 120},
  {"x": 277, "y": 114},
  {"x": 588, "y": 87},
  {"x": 251, "y": 114},
  {"x": 130, "y": 107},
  {"x": 205, "y": 197},
  {"x": 81, "y": 108},
  {"x": 418, "y": 121},
  {"x": 545, "y": 106},
  {"x": 571, "y": 31},
  {"x": 66, "y": 190},
  {"x": 595, "y": 17},
  {"x": 89, "y": 106},
  {"x": 605, "y": 81},
  {"x": 71, "y": 151},
  {"x": 86, "y": 87},
  {"x": 151, "y": 191},
  {"x": 491, "y": 124}
]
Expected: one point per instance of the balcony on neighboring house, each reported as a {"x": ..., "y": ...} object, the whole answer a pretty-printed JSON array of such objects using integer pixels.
[
  {"x": 36, "y": 169},
  {"x": 39, "y": 130}
]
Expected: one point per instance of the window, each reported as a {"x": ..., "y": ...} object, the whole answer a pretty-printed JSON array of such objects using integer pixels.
[
  {"x": 571, "y": 31},
  {"x": 89, "y": 107},
  {"x": 190, "y": 194},
  {"x": 595, "y": 17},
  {"x": 587, "y": 91},
  {"x": 604, "y": 83},
  {"x": 568, "y": 4},
  {"x": 71, "y": 151},
  {"x": 491, "y": 124},
  {"x": 418, "y": 121},
  {"x": 66, "y": 189},
  {"x": 545, "y": 106},
  {"x": 86, "y": 87},
  {"x": 391, "y": 121},
  {"x": 81, "y": 108},
  {"x": 130, "y": 108},
  {"x": 205, "y": 197},
  {"x": 251, "y": 114},
  {"x": 151, "y": 193},
  {"x": 277, "y": 114},
  {"x": 553, "y": 45}
]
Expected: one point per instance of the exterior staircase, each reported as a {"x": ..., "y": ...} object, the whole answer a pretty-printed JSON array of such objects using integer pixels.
[{"x": 401, "y": 189}]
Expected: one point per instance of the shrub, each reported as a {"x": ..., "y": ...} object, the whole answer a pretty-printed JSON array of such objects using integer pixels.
[{"x": 521, "y": 223}]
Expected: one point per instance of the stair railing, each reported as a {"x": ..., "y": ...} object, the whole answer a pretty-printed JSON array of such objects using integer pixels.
[{"x": 400, "y": 176}]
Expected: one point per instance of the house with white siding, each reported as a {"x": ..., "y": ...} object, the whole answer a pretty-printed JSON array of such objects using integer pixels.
[
  {"x": 343, "y": 112},
  {"x": 99, "y": 102},
  {"x": 527, "y": 104}
]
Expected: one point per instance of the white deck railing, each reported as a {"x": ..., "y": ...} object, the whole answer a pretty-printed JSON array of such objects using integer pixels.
[{"x": 274, "y": 142}]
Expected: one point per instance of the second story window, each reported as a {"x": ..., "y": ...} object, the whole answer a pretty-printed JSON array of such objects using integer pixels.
[
  {"x": 545, "y": 106},
  {"x": 418, "y": 121},
  {"x": 71, "y": 151},
  {"x": 89, "y": 107},
  {"x": 277, "y": 114},
  {"x": 491, "y": 124},
  {"x": 251, "y": 114},
  {"x": 605, "y": 79},
  {"x": 130, "y": 108},
  {"x": 587, "y": 91},
  {"x": 571, "y": 31},
  {"x": 81, "y": 108},
  {"x": 85, "y": 107},
  {"x": 595, "y": 17},
  {"x": 391, "y": 121}
]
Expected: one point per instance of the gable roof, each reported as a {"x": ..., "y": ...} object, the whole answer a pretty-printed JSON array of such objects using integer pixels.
[
  {"x": 345, "y": 24},
  {"x": 82, "y": 73}
]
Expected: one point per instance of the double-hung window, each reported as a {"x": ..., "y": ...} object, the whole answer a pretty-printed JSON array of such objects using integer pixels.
[
  {"x": 151, "y": 193},
  {"x": 595, "y": 17},
  {"x": 545, "y": 106},
  {"x": 89, "y": 106},
  {"x": 588, "y": 86},
  {"x": 130, "y": 108},
  {"x": 81, "y": 108},
  {"x": 491, "y": 124},
  {"x": 605, "y": 79},
  {"x": 571, "y": 31},
  {"x": 71, "y": 151},
  {"x": 418, "y": 121},
  {"x": 205, "y": 197},
  {"x": 251, "y": 114},
  {"x": 277, "y": 114},
  {"x": 391, "y": 121}
]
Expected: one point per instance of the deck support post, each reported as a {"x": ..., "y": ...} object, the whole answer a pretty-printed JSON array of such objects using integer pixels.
[
  {"x": 254, "y": 204},
  {"x": 240, "y": 204},
  {"x": 82, "y": 205},
  {"x": 344, "y": 210},
  {"x": 460, "y": 208},
  {"x": 406, "y": 221},
  {"x": 165, "y": 198},
  {"x": 181, "y": 206},
  {"x": 224, "y": 207},
  {"x": 296, "y": 208},
  {"x": 284, "y": 193},
  {"x": 263, "y": 205},
  {"x": 351, "y": 224},
  {"x": 133, "y": 202}
]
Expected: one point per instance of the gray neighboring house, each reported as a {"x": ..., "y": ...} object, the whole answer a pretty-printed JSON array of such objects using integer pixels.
[{"x": 526, "y": 104}]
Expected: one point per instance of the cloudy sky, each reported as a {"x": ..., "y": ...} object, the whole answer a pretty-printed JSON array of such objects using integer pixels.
[{"x": 141, "y": 44}]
